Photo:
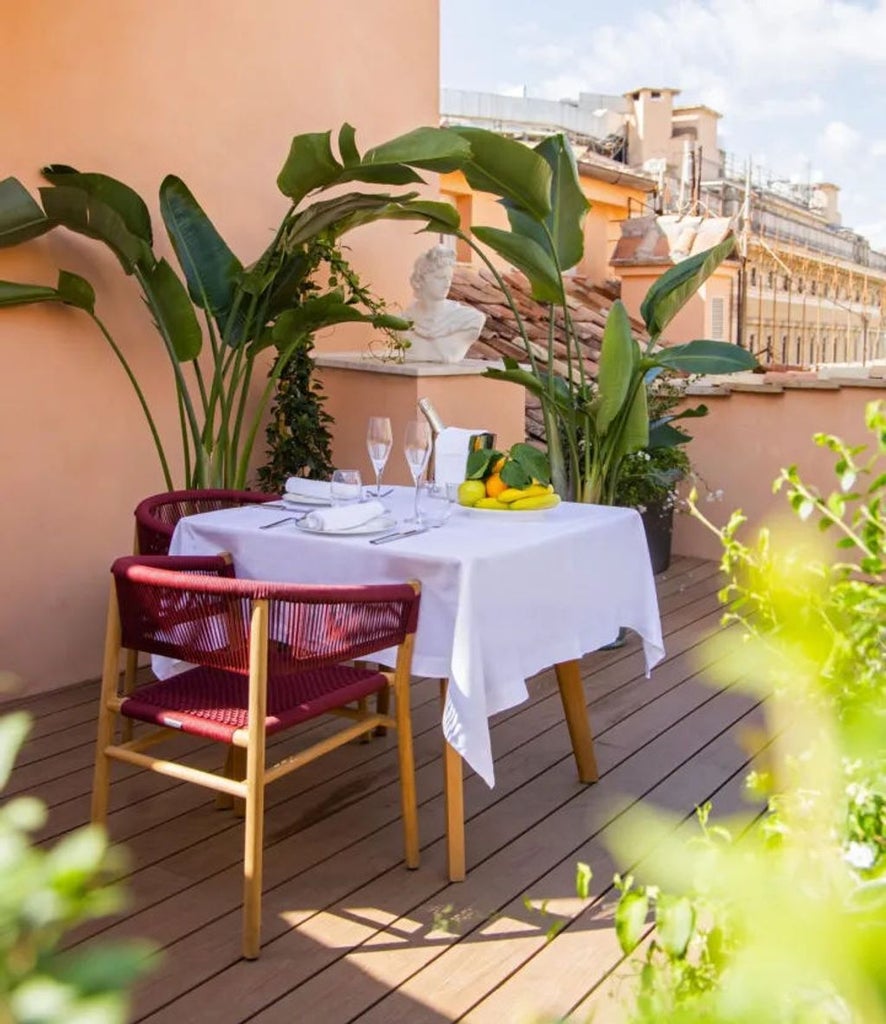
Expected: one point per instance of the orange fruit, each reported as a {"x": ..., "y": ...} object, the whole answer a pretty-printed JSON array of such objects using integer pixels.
[{"x": 495, "y": 485}]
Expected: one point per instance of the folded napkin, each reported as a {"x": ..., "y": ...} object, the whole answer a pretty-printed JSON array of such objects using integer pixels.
[
  {"x": 344, "y": 517},
  {"x": 451, "y": 449},
  {"x": 312, "y": 490}
]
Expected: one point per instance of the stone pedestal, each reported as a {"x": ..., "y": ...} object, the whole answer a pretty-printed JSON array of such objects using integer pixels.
[{"x": 358, "y": 387}]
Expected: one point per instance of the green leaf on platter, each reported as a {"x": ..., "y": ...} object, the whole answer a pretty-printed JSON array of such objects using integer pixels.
[
  {"x": 479, "y": 463},
  {"x": 21, "y": 218},
  {"x": 14, "y": 294},
  {"x": 508, "y": 169},
  {"x": 675, "y": 923},
  {"x": 14, "y": 727},
  {"x": 515, "y": 475},
  {"x": 310, "y": 165},
  {"x": 347, "y": 145},
  {"x": 630, "y": 919},
  {"x": 76, "y": 291},
  {"x": 433, "y": 149},
  {"x": 678, "y": 284},
  {"x": 175, "y": 314},
  {"x": 526, "y": 255},
  {"x": 706, "y": 357},
  {"x": 569, "y": 206},
  {"x": 618, "y": 353},
  {"x": 211, "y": 269},
  {"x": 533, "y": 461},
  {"x": 122, "y": 199},
  {"x": 77, "y": 210}
]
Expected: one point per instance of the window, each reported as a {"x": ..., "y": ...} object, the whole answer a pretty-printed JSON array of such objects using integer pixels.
[
  {"x": 717, "y": 319},
  {"x": 753, "y": 276},
  {"x": 786, "y": 283}
]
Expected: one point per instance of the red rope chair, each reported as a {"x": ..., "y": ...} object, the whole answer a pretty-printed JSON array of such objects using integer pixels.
[
  {"x": 156, "y": 517},
  {"x": 265, "y": 657}
]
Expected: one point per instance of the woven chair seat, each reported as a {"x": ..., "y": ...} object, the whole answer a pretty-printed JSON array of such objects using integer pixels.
[{"x": 213, "y": 703}]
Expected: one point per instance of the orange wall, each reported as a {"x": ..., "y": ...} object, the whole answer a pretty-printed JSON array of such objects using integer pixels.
[
  {"x": 609, "y": 206},
  {"x": 747, "y": 437},
  {"x": 212, "y": 92}
]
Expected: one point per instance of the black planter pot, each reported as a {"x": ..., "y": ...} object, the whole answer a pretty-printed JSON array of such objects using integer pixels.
[{"x": 659, "y": 525}]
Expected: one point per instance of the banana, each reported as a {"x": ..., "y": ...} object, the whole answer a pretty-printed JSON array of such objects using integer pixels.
[
  {"x": 491, "y": 503},
  {"x": 517, "y": 493},
  {"x": 544, "y": 500}
]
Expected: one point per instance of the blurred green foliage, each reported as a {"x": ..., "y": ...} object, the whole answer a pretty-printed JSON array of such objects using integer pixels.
[
  {"x": 786, "y": 924},
  {"x": 43, "y": 894}
]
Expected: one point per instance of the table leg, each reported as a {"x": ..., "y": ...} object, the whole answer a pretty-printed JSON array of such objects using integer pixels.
[
  {"x": 453, "y": 788},
  {"x": 576, "y": 712}
]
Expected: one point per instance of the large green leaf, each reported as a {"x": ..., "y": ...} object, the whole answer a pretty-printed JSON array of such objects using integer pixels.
[
  {"x": 508, "y": 169},
  {"x": 382, "y": 174},
  {"x": 347, "y": 145},
  {"x": 211, "y": 269},
  {"x": 14, "y": 294},
  {"x": 75, "y": 290},
  {"x": 569, "y": 206},
  {"x": 635, "y": 429},
  {"x": 434, "y": 149},
  {"x": 174, "y": 311},
  {"x": 630, "y": 919},
  {"x": 122, "y": 199},
  {"x": 441, "y": 218},
  {"x": 310, "y": 165},
  {"x": 79, "y": 211},
  {"x": 704, "y": 356},
  {"x": 676, "y": 286},
  {"x": 616, "y": 368},
  {"x": 322, "y": 311},
  {"x": 325, "y": 214},
  {"x": 21, "y": 219},
  {"x": 527, "y": 255},
  {"x": 663, "y": 435}
]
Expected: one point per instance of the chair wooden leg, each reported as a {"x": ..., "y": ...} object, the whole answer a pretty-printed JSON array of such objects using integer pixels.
[
  {"x": 406, "y": 756},
  {"x": 382, "y": 706},
  {"x": 453, "y": 789},
  {"x": 255, "y": 781},
  {"x": 224, "y": 801},
  {"x": 131, "y": 667},
  {"x": 576, "y": 712},
  {"x": 363, "y": 708},
  {"x": 238, "y": 771},
  {"x": 106, "y": 717}
]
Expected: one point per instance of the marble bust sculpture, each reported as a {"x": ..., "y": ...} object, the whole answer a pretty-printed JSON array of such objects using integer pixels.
[{"x": 442, "y": 330}]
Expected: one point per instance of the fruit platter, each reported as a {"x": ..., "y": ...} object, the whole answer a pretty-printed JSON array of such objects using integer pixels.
[{"x": 513, "y": 482}]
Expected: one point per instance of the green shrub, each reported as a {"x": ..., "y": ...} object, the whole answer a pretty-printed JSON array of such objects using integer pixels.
[
  {"x": 43, "y": 894},
  {"x": 787, "y": 924}
]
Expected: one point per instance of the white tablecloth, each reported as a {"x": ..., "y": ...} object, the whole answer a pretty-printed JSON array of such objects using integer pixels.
[{"x": 501, "y": 599}]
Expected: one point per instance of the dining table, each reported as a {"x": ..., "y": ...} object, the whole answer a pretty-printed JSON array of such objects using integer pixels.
[{"x": 505, "y": 595}]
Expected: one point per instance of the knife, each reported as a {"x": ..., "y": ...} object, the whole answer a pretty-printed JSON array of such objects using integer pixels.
[{"x": 397, "y": 536}]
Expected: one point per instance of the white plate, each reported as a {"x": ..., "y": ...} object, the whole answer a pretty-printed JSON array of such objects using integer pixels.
[
  {"x": 378, "y": 525},
  {"x": 526, "y": 515}
]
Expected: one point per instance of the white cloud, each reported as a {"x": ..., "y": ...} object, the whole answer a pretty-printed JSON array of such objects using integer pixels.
[
  {"x": 878, "y": 148},
  {"x": 839, "y": 141}
]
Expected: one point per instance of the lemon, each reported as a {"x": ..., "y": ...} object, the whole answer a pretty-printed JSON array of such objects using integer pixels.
[{"x": 470, "y": 492}]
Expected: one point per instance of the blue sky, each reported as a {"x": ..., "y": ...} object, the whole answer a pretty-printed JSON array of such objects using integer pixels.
[{"x": 801, "y": 84}]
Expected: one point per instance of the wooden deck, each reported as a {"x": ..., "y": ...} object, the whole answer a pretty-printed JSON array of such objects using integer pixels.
[{"x": 349, "y": 934}]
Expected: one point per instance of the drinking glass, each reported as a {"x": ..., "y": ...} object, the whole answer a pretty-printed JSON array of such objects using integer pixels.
[
  {"x": 346, "y": 487},
  {"x": 438, "y": 500},
  {"x": 417, "y": 449},
  {"x": 379, "y": 441}
]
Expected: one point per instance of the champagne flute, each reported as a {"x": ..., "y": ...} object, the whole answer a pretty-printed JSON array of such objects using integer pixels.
[
  {"x": 417, "y": 449},
  {"x": 379, "y": 441}
]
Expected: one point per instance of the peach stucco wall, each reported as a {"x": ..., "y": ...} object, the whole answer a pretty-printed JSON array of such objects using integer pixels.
[
  {"x": 748, "y": 437},
  {"x": 212, "y": 92}
]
